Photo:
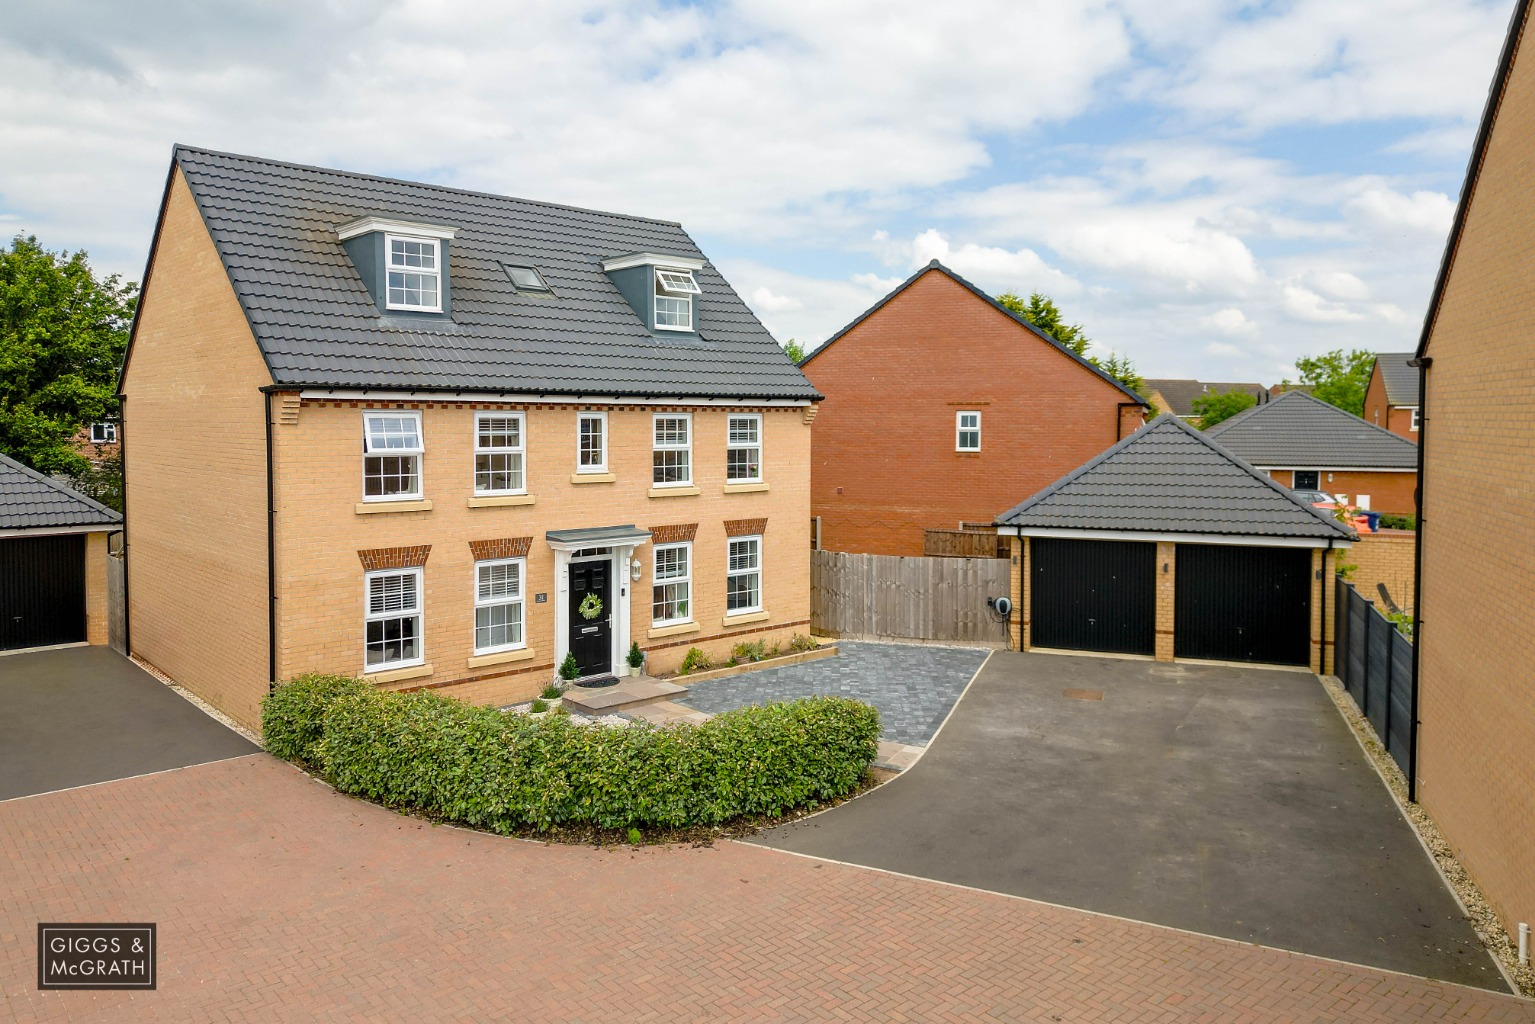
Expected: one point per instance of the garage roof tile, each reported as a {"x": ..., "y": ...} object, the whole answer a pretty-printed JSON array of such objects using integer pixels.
[
  {"x": 31, "y": 501},
  {"x": 1296, "y": 431}
]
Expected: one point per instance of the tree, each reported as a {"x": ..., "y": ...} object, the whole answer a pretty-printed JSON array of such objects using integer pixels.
[
  {"x": 1043, "y": 313},
  {"x": 794, "y": 350},
  {"x": 63, "y": 333},
  {"x": 1338, "y": 378},
  {"x": 1212, "y": 408}
]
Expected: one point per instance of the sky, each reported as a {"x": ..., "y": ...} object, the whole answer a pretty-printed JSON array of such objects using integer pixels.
[{"x": 1210, "y": 189}]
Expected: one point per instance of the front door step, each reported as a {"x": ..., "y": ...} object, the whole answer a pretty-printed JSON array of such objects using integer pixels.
[{"x": 630, "y": 693}]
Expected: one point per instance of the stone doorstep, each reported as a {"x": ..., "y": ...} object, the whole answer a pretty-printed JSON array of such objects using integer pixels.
[
  {"x": 629, "y": 693},
  {"x": 897, "y": 757},
  {"x": 664, "y": 712}
]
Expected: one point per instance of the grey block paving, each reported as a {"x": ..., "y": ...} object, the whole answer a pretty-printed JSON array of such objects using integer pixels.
[{"x": 912, "y": 686}]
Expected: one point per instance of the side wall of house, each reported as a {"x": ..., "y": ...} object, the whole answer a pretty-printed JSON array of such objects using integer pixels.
[
  {"x": 1477, "y": 627},
  {"x": 1388, "y": 491},
  {"x": 196, "y": 475},
  {"x": 320, "y": 533},
  {"x": 1376, "y": 409},
  {"x": 885, "y": 465},
  {"x": 96, "y": 615}
]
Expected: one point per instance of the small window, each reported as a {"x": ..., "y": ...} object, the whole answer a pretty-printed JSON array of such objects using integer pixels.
[
  {"x": 392, "y": 635},
  {"x": 414, "y": 274},
  {"x": 498, "y": 605},
  {"x": 674, "y": 299},
  {"x": 391, "y": 464},
  {"x": 743, "y": 452},
  {"x": 673, "y": 585},
  {"x": 1415, "y": 419},
  {"x": 1307, "y": 480},
  {"x": 592, "y": 442},
  {"x": 106, "y": 433},
  {"x": 743, "y": 575},
  {"x": 672, "y": 461},
  {"x": 527, "y": 279},
  {"x": 677, "y": 282},
  {"x": 967, "y": 432},
  {"x": 498, "y": 454}
]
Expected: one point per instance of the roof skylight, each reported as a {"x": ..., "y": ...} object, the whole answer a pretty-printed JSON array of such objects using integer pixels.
[{"x": 527, "y": 279}]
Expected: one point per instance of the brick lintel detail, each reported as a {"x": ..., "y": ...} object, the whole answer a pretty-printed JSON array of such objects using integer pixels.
[
  {"x": 674, "y": 534},
  {"x": 504, "y": 547},
  {"x": 744, "y": 527},
  {"x": 394, "y": 558}
]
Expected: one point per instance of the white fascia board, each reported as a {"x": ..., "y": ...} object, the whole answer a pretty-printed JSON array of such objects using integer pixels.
[
  {"x": 45, "y": 531},
  {"x": 522, "y": 398},
  {"x": 1230, "y": 540},
  {"x": 1335, "y": 469},
  {"x": 651, "y": 259},
  {"x": 368, "y": 225}
]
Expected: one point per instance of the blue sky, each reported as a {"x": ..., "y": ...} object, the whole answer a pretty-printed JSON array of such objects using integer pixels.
[{"x": 1209, "y": 188}]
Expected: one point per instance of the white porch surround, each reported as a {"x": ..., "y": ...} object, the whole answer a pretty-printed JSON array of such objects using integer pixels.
[{"x": 620, "y": 542}]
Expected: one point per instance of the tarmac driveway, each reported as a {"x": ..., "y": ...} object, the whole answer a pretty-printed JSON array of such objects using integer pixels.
[
  {"x": 82, "y": 715},
  {"x": 1227, "y": 801}
]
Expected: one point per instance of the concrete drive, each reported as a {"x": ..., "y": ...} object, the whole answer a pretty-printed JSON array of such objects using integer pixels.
[
  {"x": 1228, "y": 801},
  {"x": 87, "y": 714}
]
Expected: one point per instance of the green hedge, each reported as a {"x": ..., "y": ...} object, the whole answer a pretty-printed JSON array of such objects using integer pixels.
[{"x": 505, "y": 771}]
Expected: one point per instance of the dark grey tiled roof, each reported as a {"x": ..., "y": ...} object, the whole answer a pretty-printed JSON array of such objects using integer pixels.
[
  {"x": 274, "y": 225},
  {"x": 1400, "y": 379},
  {"x": 1298, "y": 431},
  {"x": 1180, "y": 393},
  {"x": 1170, "y": 478},
  {"x": 31, "y": 501}
]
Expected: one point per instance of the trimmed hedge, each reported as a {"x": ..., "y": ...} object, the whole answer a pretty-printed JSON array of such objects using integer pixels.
[{"x": 503, "y": 771}]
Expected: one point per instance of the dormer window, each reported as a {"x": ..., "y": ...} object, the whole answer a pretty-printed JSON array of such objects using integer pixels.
[
  {"x": 658, "y": 286},
  {"x": 414, "y": 274},
  {"x": 674, "y": 299},
  {"x": 403, "y": 264}
]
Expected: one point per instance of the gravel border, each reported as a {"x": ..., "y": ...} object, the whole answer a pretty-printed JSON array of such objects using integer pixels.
[
  {"x": 1484, "y": 920},
  {"x": 201, "y": 705}
]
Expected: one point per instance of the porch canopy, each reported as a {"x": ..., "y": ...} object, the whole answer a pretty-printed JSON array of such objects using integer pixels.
[{"x": 629, "y": 536}]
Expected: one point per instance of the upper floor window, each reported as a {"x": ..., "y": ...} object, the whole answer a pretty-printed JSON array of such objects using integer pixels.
[
  {"x": 498, "y": 453},
  {"x": 592, "y": 442},
  {"x": 674, "y": 299},
  {"x": 415, "y": 273},
  {"x": 392, "y": 635},
  {"x": 743, "y": 451},
  {"x": 498, "y": 605},
  {"x": 106, "y": 433},
  {"x": 1415, "y": 419},
  {"x": 391, "y": 462},
  {"x": 967, "y": 432},
  {"x": 672, "y": 584},
  {"x": 672, "y": 461},
  {"x": 743, "y": 575}
]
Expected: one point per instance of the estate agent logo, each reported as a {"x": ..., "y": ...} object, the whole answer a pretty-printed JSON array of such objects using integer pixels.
[{"x": 120, "y": 956}]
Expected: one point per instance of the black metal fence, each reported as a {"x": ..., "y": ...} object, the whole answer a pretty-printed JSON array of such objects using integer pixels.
[{"x": 1374, "y": 662}]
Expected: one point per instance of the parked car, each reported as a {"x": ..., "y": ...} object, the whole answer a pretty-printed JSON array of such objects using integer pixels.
[
  {"x": 1316, "y": 497},
  {"x": 1362, "y": 521}
]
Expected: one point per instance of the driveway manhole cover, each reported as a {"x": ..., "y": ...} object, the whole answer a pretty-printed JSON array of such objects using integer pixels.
[{"x": 1082, "y": 694}]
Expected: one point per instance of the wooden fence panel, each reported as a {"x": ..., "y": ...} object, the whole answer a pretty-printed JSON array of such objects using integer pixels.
[
  {"x": 963, "y": 544},
  {"x": 911, "y": 598},
  {"x": 117, "y": 613}
]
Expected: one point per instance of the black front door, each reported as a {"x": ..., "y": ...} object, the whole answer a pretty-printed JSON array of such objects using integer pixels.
[{"x": 591, "y": 639}]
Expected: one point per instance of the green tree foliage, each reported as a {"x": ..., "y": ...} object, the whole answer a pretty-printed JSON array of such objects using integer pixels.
[
  {"x": 63, "y": 332},
  {"x": 1039, "y": 310},
  {"x": 1338, "y": 378},
  {"x": 1212, "y": 408},
  {"x": 794, "y": 350}
]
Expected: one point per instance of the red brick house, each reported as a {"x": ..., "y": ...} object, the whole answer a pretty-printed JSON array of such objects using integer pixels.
[
  {"x": 1391, "y": 400},
  {"x": 941, "y": 408}
]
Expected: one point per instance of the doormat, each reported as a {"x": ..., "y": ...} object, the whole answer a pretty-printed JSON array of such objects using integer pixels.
[{"x": 598, "y": 682}]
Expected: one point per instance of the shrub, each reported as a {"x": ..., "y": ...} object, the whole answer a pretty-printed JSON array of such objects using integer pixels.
[
  {"x": 748, "y": 652},
  {"x": 551, "y": 692},
  {"x": 538, "y": 706},
  {"x": 291, "y": 714},
  {"x": 1392, "y": 521},
  {"x": 800, "y": 642},
  {"x": 568, "y": 668},
  {"x": 693, "y": 661},
  {"x": 636, "y": 658},
  {"x": 503, "y": 772}
]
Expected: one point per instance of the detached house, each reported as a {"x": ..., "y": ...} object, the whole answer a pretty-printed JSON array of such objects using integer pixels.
[
  {"x": 941, "y": 408},
  {"x": 439, "y": 438},
  {"x": 1391, "y": 400}
]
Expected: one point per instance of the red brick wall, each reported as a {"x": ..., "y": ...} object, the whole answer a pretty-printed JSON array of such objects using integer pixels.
[
  {"x": 883, "y": 465},
  {"x": 1388, "y": 491},
  {"x": 1377, "y": 411}
]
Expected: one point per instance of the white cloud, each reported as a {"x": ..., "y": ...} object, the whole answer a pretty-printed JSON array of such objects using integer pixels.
[
  {"x": 993, "y": 269},
  {"x": 1389, "y": 211},
  {"x": 1230, "y": 322},
  {"x": 818, "y": 307},
  {"x": 1304, "y": 304},
  {"x": 765, "y": 300}
]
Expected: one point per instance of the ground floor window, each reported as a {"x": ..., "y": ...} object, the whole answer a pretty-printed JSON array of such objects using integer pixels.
[
  {"x": 673, "y": 579},
  {"x": 498, "y": 605},
  {"x": 392, "y": 635},
  {"x": 1308, "y": 480},
  {"x": 743, "y": 583}
]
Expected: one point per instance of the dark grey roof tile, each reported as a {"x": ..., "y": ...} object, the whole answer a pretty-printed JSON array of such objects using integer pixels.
[
  {"x": 31, "y": 501},
  {"x": 1402, "y": 381},
  {"x": 1296, "y": 430}
]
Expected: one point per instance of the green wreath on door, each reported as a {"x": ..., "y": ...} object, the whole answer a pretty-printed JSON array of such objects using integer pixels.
[{"x": 590, "y": 607}]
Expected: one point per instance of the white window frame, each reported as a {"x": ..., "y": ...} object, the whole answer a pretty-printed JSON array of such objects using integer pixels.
[
  {"x": 435, "y": 273},
  {"x": 960, "y": 430},
  {"x": 676, "y": 291},
  {"x": 418, "y": 453},
  {"x": 601, "y": 466},
  {"x": 370, "y": 616},
  {"x": 657, "y": 446},
  {"x": 1416, "y": 418},
  {"x": 731, "y": 574},
  {"x": 656, "y": 580},
  {"x": 520, "y": 600},
  {"x": 108, "y": 430},
  {"x": 520, "y": 450},
  {"x": 730, "y": 446}
]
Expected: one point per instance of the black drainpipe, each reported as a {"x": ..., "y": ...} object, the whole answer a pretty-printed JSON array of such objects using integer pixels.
[
  {"x": 122, "y": 457},
  {"x": 1327, "y": 583},
  {"x": 1022, "y": 568},
  {"x": 1422, "y": 363},
  {"x": 271, "y": 555}
]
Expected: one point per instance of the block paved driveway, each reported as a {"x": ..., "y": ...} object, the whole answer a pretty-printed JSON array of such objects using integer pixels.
[
  {"x": 1228, "y": 801},
  {"x": 912, "y": 685},
  {"x": 86, "y": 714},
  {"x": 277, "y": 899}
]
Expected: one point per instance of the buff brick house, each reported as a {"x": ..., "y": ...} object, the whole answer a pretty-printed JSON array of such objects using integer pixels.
[
  {"x": 1391, "y": 399},
  {"x": 941, "y": 408},
  {"x": 438, "y": 438}
]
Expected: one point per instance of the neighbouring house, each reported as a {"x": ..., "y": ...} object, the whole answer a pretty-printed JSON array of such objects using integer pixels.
[
  {"x": 439, "y": 438},
  {"x": 1170, "y": 546},
  {"x": 53, "y": 561},
  {"x": 99, "y": 442},
  {"x": 1306, "y": 444},
  {"x": 1391, "y": 400},
  {"x": 1475, "y": 625},
  {"x": 941, "y": 407},
  {"x": 1177, "y": 396}
]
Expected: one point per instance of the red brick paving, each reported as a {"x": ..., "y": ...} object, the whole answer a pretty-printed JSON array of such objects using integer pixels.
[{"x": 279, "y": 900}]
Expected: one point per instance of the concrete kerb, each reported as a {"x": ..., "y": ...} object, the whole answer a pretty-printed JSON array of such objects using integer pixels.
[{"x": 129, "y": 778}]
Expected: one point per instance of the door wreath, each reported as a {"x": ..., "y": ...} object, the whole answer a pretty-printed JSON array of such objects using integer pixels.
[{"x": 590, "y": 607}]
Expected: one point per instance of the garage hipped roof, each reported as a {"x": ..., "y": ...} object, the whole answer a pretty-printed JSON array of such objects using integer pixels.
[
  {"x": 31, "y": 501},
  {"x": 1169, "y": 479},
  {"x": 1297, "y": 431}
]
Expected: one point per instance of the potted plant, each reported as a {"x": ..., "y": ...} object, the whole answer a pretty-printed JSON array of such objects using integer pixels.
[
  {"x": 569, "y": 669},
  {"x": 552, "y": 695},
  {"x": 636, "y": 659}
]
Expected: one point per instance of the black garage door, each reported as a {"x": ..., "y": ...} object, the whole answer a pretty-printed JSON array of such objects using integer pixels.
[
  {"x": 1093, "y": 595},
  {"x": 1243, "y": 604},
  {"x": 42, "y": 591}
]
